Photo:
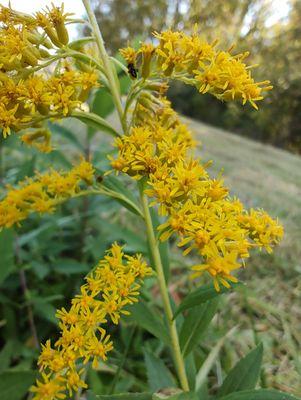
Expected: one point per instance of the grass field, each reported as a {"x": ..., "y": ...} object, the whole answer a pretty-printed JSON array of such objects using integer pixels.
[{"x": 266, "y": 177}]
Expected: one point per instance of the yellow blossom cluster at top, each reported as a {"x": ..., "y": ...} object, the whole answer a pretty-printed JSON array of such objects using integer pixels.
[
  {"x": 114, "y": 283},
  {"x": 199, "y": 63},
  {"x": 31, "y": 89},
  {"x": 198, "y": 208},
  {"x": 43, "y": 193}
]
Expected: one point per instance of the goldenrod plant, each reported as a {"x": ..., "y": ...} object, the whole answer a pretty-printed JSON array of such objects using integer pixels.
[{"x": 45, "y": 77}]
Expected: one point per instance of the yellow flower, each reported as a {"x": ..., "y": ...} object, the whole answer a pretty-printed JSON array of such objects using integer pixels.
[
  {"x": 198, "y": 63},
  {"x": 43, "y": 193},
  {"x": 28, "y": 94},
  {"x": 48, "y": 389},
  {"x": 198, "y": 208},
  {"x": 129, "y": 54},
  {"x": 73, "y": 381},
  {"x": 146, "y": 50},
  {"x": 97, "y": 350},
  {"x": 8, "y": 120},
  {"x": 220, "y": 269},
  {"x": 39, "y": 138},
  {"x": 83, "y": 337}
]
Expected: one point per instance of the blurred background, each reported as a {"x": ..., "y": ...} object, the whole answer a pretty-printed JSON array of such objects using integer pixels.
[
  {"x": 269, "y": 29},
  {"x": 43, "y": 263}
]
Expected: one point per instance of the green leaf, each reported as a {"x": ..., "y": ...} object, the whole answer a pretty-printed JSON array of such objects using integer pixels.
[
  {"x": 119, "y": 64},
  {"x": 70, "y": 266},
  {"x": 95, "y": 121},
  {"x": 207, "y": 365},
  {"x": 62, "y": 130},
  {"x": 125, "y": 83},
  {"x": 122, "y": 396},
  {"x": 5, "y": 354},
  {"x": 190, "y": 370},
  {"x": 245, "y": 373},
  {"x": 195, "y": 324},
  {"x": 26, "y": 169},
  {"x": 102, "y": 103},
  {"x": 201, "y": 295},
  {"x": 148, "y": 319},
  {"x": 7, "y": 253},
  {"x": 15, "y": 384},
  {"x": 158, "y": 375},
  {"x": 178, "y": 396},
  {"x": 167, "y": 395},
  {"x": 45, "y": 310},
  {"x": 79, "y": 43},
  {"x": 113, "y": 183},
  {"x": 261, "y": 394},
  {"x": 203, "y": 391},
  {"x": 121, "y": 194}
]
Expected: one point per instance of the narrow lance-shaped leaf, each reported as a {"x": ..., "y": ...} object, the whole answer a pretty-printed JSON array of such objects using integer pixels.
[
  {"x": 102, "y": 103},
  {"x": 95, "y": 121},
  {"x": 176, "y": 396},
  {"x": 201, "y": 295},
  {"x": 195, "y": 324},
  {"x": 158, "y": 375},
  {"x": 146, "y": 318},
  {"x": 260, "y": 394},
  {"x": 245, "y": 373},
  {"x": 15, "y": 384},
  {"x": 62, "y": 130},
  {"x": 120, "y": 193},
  {"x": 6, "y": 253},
  {"x": 121, "y": 396}
]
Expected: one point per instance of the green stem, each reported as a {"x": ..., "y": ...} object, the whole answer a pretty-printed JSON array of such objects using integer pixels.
[
  {"x": 106, "y": 61},
  {"x": 175, "y": 345}
]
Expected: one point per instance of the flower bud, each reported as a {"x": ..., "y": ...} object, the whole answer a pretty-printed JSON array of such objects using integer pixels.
[
  {"x": 62, "y": 33},
  {"x": 52, "y": 36},
  {"x": 29, "y": 58}
]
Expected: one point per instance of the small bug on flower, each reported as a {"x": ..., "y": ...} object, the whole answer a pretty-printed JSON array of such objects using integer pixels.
[{"x": 132, "y": 70}]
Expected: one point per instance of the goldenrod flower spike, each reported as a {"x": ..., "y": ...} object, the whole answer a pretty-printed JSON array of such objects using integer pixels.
[
  {"x": 198, "y": 208},
  {"x": 114, "y": 284},
  {"x": 199, "y": 63},
  {"x": 29, "y": 93},
  {"x": 43, "y": 193}
]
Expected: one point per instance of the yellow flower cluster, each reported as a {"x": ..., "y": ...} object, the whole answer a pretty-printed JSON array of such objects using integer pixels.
[
  {"x": 27, "y": 102},
  {"x": 43, "y": 193},
  {"x": 154, "y": 146},
  {"x": 198, "y": 63},
  {"x": 39, "y": 138},
  {"x": 26, "y": 38},
  {"x": 28, "y": 97},
  {"x": 113, "y": 284},
  {"x": 197, "y": 207}
]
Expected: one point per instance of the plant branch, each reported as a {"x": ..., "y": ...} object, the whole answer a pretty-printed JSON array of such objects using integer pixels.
[
  {"x": 108, "y": 69},
  {"x": 175, "y": 345}
]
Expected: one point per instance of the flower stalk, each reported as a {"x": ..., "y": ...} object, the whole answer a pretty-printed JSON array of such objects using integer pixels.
[
  {"x": 175, "y": 345},
  {"x": 106, "y": 61}
]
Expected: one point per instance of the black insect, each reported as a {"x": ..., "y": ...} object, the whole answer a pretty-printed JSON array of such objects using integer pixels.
[
  {"x": 132, "y": 70},
  {"x": 99, "y": 178}
]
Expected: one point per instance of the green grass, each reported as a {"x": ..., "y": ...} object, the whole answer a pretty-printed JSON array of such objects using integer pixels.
[{"x": 269, "y": 178}]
